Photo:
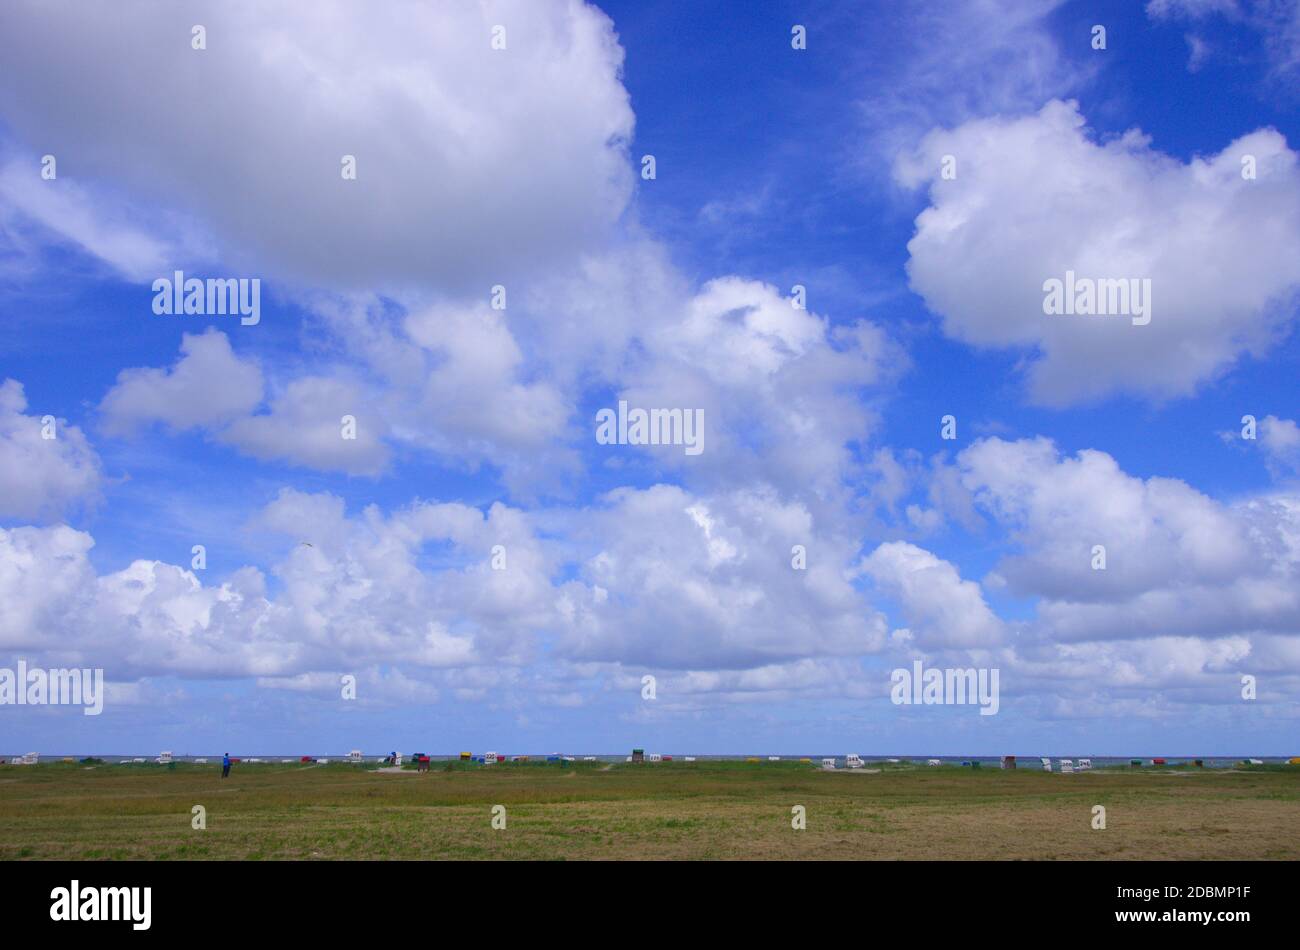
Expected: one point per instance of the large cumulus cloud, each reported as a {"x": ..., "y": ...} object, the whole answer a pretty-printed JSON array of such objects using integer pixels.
[
  {"x": 1037, "y": 196},
  {"x": 473, "y": 164}
]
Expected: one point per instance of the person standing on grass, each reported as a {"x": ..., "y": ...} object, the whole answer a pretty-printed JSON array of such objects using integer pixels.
[{"x": 225, "y": 765}]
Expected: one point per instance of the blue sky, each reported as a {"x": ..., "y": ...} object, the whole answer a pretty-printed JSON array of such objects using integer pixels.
[{"x": 775, "y": 167}]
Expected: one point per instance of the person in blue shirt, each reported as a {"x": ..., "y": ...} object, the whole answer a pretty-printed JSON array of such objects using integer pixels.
[{"x": 225, "y": 765}]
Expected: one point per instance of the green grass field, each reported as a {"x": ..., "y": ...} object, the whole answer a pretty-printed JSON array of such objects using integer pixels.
[{"x": 679, "y": 811}]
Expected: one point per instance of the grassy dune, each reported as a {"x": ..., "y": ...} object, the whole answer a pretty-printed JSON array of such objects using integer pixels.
[{"x": 678, "y": 810}]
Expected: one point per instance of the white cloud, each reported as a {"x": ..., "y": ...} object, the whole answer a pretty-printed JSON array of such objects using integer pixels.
[
  {"x": 322, "y": 422},
  {"x": 473, "y": 164},
  {"x": 475, "y": 402},
  {"x": 702, "y": 691},
  {"x": 373, "y": 687},
  {"x": 1150, "y": 670},
  {"x": 1036, "y": 196},
  {"x": 213, "y": 389},
  {"x": 349, "y": 593},
  {"x": 42, "y": 572},
  {"x": 100, "y": 225},
  {"x": 1280, "y": 440},
  {"x": 683, "y": 581},
  {"x": 474, "y": 386},
  {"x": 781, "y": 388},
  {"x": 1154, "y": 530},
  {"x": 941, "y": 609},
  {"x": 1088, "y": 660},
  {"x": 698, "y": 589},
  {"x": 208, "y": 386},
  {"x": 40, "y": 477},
  {"x": 662, "y": 578},
  {"x": 1177, "y": 562}
]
